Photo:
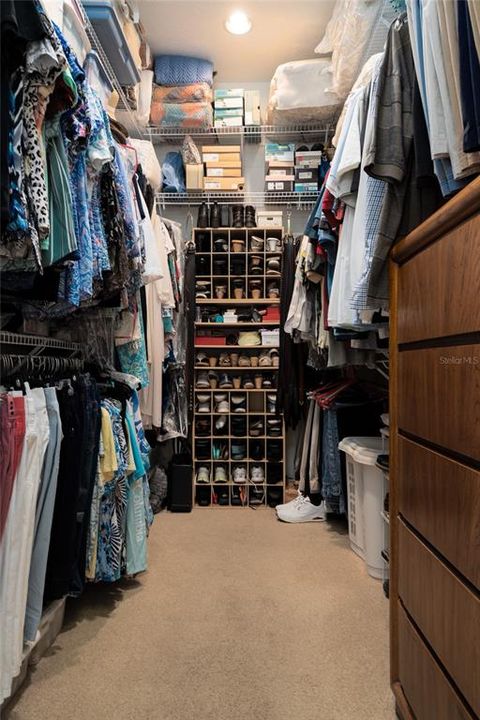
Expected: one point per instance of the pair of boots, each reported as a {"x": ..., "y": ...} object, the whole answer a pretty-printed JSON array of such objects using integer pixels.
[
  {"x": 243, "y": 217},
  {"x": 211, "y": 219}
]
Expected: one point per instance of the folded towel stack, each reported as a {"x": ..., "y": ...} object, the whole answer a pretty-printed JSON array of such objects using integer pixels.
[{"x": 182, "y": 93}]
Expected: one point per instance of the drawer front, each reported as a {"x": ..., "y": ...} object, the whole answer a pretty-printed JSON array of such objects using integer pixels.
[
  {"x": 427, "y": 689},
  {"x": 439, "y": 396},
  {"x": 441, "y": 499},
  {"x": 439, "y": 289},
  {"x": 445, "y": 610}
]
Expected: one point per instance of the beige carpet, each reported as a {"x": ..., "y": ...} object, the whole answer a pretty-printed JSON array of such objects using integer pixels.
[{"x": 240, "y": 617}]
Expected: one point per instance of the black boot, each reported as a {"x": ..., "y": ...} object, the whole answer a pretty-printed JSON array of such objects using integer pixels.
[
  {"x": 250, "y": 217},
  {"x": 202, "y": 220},
  {"x": 238, "y": 216},
  {"x": 215, "y": 215}
]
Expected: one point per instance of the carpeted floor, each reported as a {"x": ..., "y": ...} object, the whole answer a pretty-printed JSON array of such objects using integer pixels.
[{"x": 240, "y": 617}]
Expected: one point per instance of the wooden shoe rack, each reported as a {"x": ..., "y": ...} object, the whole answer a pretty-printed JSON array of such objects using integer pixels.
[{"x": 224, "y": 259}]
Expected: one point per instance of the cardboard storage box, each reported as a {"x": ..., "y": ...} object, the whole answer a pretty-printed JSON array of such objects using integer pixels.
[
  {"x": 308, "y": 158},
  {"x": 309, "y": 175},
  {"x": 229, "y": 92},
  {"x": 270, "y": 218},
  {"x": 224, "y": 171},
  {"x": 194, "y": 177},
  {"x": 223, "y": 183},
  {"x": 280, "y": 153},
  {"x": 215, "y": 157},
  {"x": 306, "y": 187},
  {"x": 278, "y": 185},
  {"x": 252, "y": 107},
  {"x": 235, "y": 121},
  {"x": 221, "y": 149},
  {"x": 278, "y": 168},
  {"x": 229, "y": 102},
  {"x": 234, "y": 164}
]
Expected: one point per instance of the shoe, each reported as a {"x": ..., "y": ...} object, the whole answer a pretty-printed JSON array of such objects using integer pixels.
[
  {"x": 239, "y": 403},
  {"x": 250, "y": 217},
  {"x": 219, "y": 451},
  {"x": 203, "y": 474},
  {"x": 256, "y": 243},
  {"x": 256, "y": 495},
  {"x": 220, "y": 294},
  {"x": 220, "y": 475},
  {"x": 273, "y": 266},
  {"x": 202, "y": 220},
  {"x": 220, "y": 266},
  {"x": 257, "y": 475},
  {"x": 257, "y": 449},
  {"x": 213, "y": 380},
  {"x": 203, "y": 403},
  {"x": 225, "y": 382},
  {"x": 274, "y": 473},
  {"x": 238, "y": 245},
  {"x": 273, "y": 290},
  {"x": 239, "y": 451},
  {"x": 239, "y": 426},
  {"x": 301, "y": 510},
  {"x": 274, "y": 497},
  {"x": 238, "y": 496},
  {"x": 215, "y": 216},
  {"x": 274, "y": 244},
  {"x": 296, "y": 500},
  {"x": 266, "y": 382},
  {"x": 239, "y": 474},
  {"x": 238, "y": 216},
  {"x": 222, "y": 405},
  {"x": 222, "y": 496},
  {"x": 221, "y": 425},
  {"x": 202, "y": 380},
  {"x": 274, "y": 427},
  {"x": 271, "y": 403},
  {"x": 248, "y": 382},
  {"x": 256, "y": 428},
  {"x": 203, "y": 450},
  {"x": 220, "y": 245},
  {"x": 202, "y": 265},
  {"x": 202, "y": 427},
  {"x": 274, "y": 451},
  {"x": 244, "y": 360},
  {"x": 203, "y": 496},
  {"x": 224, "y": 360}
]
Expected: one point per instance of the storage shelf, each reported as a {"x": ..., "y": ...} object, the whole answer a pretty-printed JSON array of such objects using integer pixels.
[
  {"x": 249, "y": 368},
  {"x": 239, "y": 347},
  {"x": 242, "y": 301},
  {"x": 259, "y": 199},
  {"x": 247, "y": 133},
  {"x": 234, "y": 324}
]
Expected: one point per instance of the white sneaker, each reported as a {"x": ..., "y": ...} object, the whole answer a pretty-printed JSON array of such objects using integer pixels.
[
  {"x": 291, "y": 503},
  {"x": 301, "y": 510},
  {"x": 257, "y": 474}
]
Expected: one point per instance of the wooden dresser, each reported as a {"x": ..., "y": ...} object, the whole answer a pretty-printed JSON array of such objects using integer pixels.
[{"x": 435, "y": 465}]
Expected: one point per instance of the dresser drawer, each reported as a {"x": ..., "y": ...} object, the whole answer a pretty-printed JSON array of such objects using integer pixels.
[
  {"x": 441, "y": 499},
  {"x": 439, "y": 289},
  {"x": 439, "y": 396},
  {"x": 445, "y": 611},
  {"x": 427, "y": 689}
]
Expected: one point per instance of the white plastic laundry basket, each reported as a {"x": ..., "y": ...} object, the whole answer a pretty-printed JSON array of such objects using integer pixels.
[{"x": 365, "y": 500}]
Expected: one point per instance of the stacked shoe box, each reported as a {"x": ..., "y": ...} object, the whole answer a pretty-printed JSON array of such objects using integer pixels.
[
  {"x": 279, "y": 167},
  {"x": 223, "y": 167},
  {"x": 306, "y": 170},
  {"x": 229, "y": 107}
]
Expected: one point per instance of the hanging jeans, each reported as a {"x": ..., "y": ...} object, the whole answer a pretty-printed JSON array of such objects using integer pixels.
[
  {"x": 17, "y": 541},
  {"x": 12, "y": 433},
  {"x": 332, "y": 487},
  {"x": 43, "y": 518}
]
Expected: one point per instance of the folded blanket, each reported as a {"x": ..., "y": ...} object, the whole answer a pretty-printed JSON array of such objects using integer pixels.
[
  {"x": 182, "y": 70},
  {"x": 195, "y": 93},
  {"x": 181, "y": 114}
]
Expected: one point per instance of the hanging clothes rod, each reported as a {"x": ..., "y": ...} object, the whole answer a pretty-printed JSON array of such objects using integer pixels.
[
  {"x": 49, "y": 365},
  {"x": 37, "y": 343}
]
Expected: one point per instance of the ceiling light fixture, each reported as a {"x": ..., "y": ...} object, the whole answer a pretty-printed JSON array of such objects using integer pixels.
[{"x": 238, "y": 23}]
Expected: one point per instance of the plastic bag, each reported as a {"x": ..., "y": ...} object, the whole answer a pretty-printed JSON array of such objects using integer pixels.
[{"x": 173, "y": 173}]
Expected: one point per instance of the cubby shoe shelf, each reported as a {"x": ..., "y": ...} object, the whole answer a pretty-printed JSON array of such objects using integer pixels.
[{"x": 257, "y": 414}]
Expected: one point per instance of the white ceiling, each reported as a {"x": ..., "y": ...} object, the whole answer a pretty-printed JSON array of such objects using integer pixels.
[{"x": 282, "y": 31}]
